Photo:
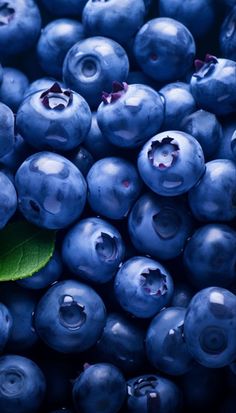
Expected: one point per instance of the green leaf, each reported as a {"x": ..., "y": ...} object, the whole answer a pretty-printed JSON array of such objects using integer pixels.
[{"x": 24, "y": 250}]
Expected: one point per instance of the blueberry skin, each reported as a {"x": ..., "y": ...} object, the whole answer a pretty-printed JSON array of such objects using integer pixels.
[
  {"x": 133, "y": 118},
  {"x": 159, "y": 226},
  {"x": 70, "y": 317},
  {"x": 165, "y": 345},
  {"x": 210, "y": 325},
  {"x": 42, "y": 83},
  {"x": 6, "y": 129},
  {"x": 117, "y": 20},
  {"x": 21, "y": 305},
  {"x": 5, "y": 325},
  {"x": 16, "y": 156},
  {"x": 205, "y": 127},
  {"x": 122, "y": 343},
  {"x": 227, "y": 36},
  {"x": 56, "y": 38},
  {"x": 164, "y": 49},
  {"x": 18, "y": 33},
  {"x": 61, "y": 119},
  {"x": 8, "y": 199},
  {"x": 13, "y": 87},
  {"x": 214, "y": 86},
  {"x": 224, "y": 149},
  {"x": 210, "y": 256},
  {"x": 171, "y": 163},
  {"x": 91, "y": 66},
  {"x": 82, "y": 159},
  {"x": 189, "y": 13},
  {"x": 178, "y": 103},
  {"x": 46, "y": 276},
  {"x": 96, "y": 143},
  {"x": 153, "y": 393},
  {"x": 23, "y": 385},
  {"x": 64, "y": 7},
  {"x": 213, "y": 198},
  {"x": 113, "y": 186},
  {"x": 93, "y": 250},
  {"x": 182, "y": 296},
  {"x": 143, "y": 287},
  {"x": 101, "y": 387},
  {"x": 51, "y": 190}
]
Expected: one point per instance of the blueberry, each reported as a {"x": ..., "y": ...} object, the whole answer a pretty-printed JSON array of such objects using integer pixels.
[
  {"x": 213, "y": 85},
  {"x": 210, "y": 325},
  {"x": 99, "y": 18},
  {"x": 182, "y": 295},
  {"x": 50, "y": 273},
  {"x": 55, "y": 41},
  {"x": 83, "y": 159},
  {"x": 6, "y": 129},
  {"x": 153, "y": 393},
  {"x": 101, "y": 387},
  {"x": 18, "y": 33},
  {"x": 8, "y": 199},
  {"x": 160, "y": 226},
  {"x": 122, "y": 343},
  {"x": 224, "y": 149},
  {"x": 13, "y": 87},
  {"x": 51, "y": 190},
  {"x": 113, "y": 186},
  {"x": 130, "y": 114},
  {"x": 21, "y": 305},
  {"x": 213, "y": 198},
  {"x": 16, "y": 156},
  {"x": 91, "y": 65},
  {"x": 178, "y": 103},
  {"x": 42, "y": 83},
  {"x": 205, "y": 127},
  {"x": 171, "y": 163},
  {"x": 64, "y": 7},
  {"x": 164, "y": 49},
  {"x": 22, "y": 386},
  {"x": 93, "y": 250},
  {"x": 70, "y": 317},
  {"x": 165, "y": 345},
  {"x": 96, "y": 143},
  {"x": 228, "y": 35},
  {"x": 5, "y": 325},
  {"x": 61, "y": 119},
  {"x": 210, "y": 256},
  {"x": 190, "y": 12},
  {"x": 143, "y": 287}
]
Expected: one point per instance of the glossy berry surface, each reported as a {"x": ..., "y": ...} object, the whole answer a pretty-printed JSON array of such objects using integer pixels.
[
  {"x": 210, "y": 325},
  {"x": 93, "y": 249},
  {"x": 143, "y": 287},
  {"x": 64, "y": 7},
  {"x": 113, "y": 186},
  {"x": 8, "y": 199},
  {"x": 153, "y": 393},
  {"x": 159, "y": 226},
  {"x": 165, "y": 345},
  {"x": 228, "y": 35},
  {"x": 130, "y": 114},
  {"x": 70, "y": 317},
  {"x": 164, "y": 49},
  {"x": 22, "y": 385},
  {"x": 91, "y": 66},
  {"x": 62, "y": 117},
  {"x": 6, "y": 325},
  {"x": 101, "y": 386},
  {"x": 13, "y": 87},
  {"x": 6, "y": 129},
  {"x": 171, "y": 163},
  {"x": 210, "y": 256},
  {"x": 41, "y": 196}
]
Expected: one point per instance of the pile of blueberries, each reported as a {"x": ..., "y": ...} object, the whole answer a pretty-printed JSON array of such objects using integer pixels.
[{"x": 118, "y": 131}]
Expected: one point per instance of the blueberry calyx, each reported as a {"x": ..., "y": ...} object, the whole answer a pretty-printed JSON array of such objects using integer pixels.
[
  {"x": 71, "y": 313},
  {"x": 12, "y": 382},
  {"x": 206, "y": 67},
  {"x": 154, "y": 282},
  {"x": 6, "y": 14},
  {"x": 106, "y": 247},
  {"x": 55, "y": 98},
  {"x": 213, "y": 340},
  {"x": 118, "y": 90},
  {"x": 163, "y": 154},
  {"x": 143, "y": 386}
]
